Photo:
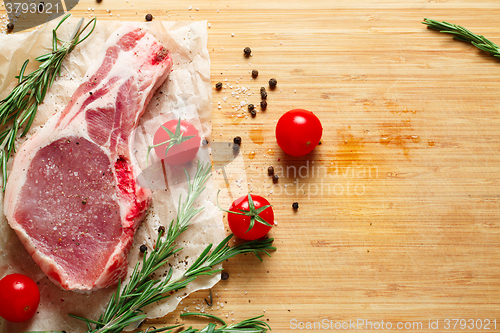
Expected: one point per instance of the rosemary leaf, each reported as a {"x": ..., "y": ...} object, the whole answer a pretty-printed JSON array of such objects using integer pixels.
[
  {"x": 162, "y": 329},
  {"x": 208, "y": 315},
  {"x": 19, "y": 108}
]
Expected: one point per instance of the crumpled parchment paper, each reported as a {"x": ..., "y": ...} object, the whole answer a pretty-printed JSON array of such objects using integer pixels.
[{"x": 186, "y": 94}]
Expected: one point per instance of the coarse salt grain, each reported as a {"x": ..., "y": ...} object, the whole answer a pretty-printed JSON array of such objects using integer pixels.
[
  {"x": 209, "y": 24},
  {"x": 189, "y": 8},
  {"x": 232, "y": 34}
]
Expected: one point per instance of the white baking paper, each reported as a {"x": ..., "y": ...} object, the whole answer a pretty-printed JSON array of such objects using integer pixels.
[{"x": 186, "y": 94}]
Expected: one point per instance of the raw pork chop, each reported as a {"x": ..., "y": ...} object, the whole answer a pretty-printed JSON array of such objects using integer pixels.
[{"x": 71, "y": 196}]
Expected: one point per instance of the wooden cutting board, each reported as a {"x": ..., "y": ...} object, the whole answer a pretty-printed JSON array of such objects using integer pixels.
[{"x": 399, "y": 218}]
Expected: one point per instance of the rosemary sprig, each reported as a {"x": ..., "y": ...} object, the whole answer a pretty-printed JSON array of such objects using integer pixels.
[
  {"x": 462, "y": 34},
  {"x": 250, "y": 325},
  {"x": 19, "y": 108},
  {"x": 125, "y": 306}
]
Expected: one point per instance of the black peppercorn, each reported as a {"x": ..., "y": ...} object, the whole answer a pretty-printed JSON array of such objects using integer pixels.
[
  {"x": 273, "y": 83},
  {"x": 263, "y": 105},
  {"x": 143, "y": 248},
  {"x": 218, "y": 85},
  {"x": 270, "y": 171},
  {"x": 275, "y": 178},
  {"x": 251, "y": 107},
  {"x": 262, "y": 89},
  {"x": 319, "y": 143},
  {"x": 247, "y": 51},
  {"x": 255, "y": 73},
  {"x": 149, "y": 17},
  {"x": 224, "y": 276},
  {"x": 253, "y": 113},
  {"x": 263, "y": 95},
  {"x": 295, "y": 205},
  {"x": 99, "y": 1},
  {"x": 161, "y": 229},
  {"x": 10, "y": 26},
  {"x": 237, "y": 140},
  {"x": 204, "y": 142}
]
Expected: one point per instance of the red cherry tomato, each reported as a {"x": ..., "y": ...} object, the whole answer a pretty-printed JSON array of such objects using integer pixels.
[
  {"x": 298, "y": 132},
  {"x": 240, "y": 224},
  {"x": 19, "y": 298},
  {"x": 184, "y": 142}
]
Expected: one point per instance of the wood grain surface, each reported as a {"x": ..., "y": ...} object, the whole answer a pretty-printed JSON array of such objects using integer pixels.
[{"x": 399, "y": 217}]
